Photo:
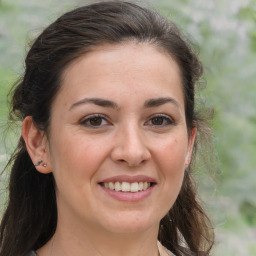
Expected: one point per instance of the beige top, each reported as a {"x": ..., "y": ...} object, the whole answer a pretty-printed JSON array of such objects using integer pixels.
[{"x": 163, "y": 251}]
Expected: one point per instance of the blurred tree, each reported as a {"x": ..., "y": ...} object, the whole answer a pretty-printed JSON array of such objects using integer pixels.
[{"x": 225, "y": 33}]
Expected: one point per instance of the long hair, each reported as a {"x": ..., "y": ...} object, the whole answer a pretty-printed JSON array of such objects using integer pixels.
[{"x": 31, "y": 215}]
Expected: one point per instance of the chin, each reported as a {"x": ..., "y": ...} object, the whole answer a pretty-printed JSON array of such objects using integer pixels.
[{"x": 131, "y": 223}]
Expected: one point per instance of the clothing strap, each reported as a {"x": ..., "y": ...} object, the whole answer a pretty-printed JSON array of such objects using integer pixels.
[{"x": 163, "y": 251}]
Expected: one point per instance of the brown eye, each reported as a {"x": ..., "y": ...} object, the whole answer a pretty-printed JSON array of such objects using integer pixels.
[
  {"x": 160, "y": 120},
  {"x": 94, "y": 121},
  {"x": 157, "y": 120}
]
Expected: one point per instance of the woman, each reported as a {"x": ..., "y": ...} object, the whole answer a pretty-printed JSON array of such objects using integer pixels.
[{"x": 103, "y": 166}]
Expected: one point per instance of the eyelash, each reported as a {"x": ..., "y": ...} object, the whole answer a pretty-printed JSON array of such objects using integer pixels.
[
  {"x": 167, "y": 120},
  {"x": 85, "y": 122}
]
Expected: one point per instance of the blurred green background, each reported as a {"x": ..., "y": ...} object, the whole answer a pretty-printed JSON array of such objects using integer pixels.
[{"x": 224, "y": 31}]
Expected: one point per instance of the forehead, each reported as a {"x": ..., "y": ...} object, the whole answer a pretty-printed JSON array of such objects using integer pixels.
[{"x": 137, "y": 68}]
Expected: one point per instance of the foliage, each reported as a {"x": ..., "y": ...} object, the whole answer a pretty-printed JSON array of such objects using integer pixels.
[{"x": 224, "y": 32}]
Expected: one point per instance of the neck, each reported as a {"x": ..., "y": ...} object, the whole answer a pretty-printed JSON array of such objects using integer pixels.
[{"x": 74, "y": 241}]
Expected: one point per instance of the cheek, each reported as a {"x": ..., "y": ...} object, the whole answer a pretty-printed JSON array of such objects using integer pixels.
[
  {"x": 74, "y": 159},
  {"x": 171, "y": 162},
  {"x": 172, "y": 155}
]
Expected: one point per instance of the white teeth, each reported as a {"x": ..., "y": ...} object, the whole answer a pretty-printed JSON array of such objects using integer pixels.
[
  {"x": 134, "y": 187},
  {"x": 111, "y": 185},
  {"x": 126, "y": 186},
  {"x": 140, "y": 185},
  {"x": 118, "y": 186},
  {"x": 145, "y": 185}
]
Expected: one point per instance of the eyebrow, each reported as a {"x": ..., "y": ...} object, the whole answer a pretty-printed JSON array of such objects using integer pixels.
[
  {"x": 96, "y": 101},
  {"x": 110, "y": 104},
  {"x": 160, "y": 101}
]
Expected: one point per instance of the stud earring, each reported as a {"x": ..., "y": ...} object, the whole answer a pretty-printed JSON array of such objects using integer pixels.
[{"x": 40, "y": 162}]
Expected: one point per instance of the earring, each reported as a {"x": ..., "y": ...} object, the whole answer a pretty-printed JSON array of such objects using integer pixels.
[{"x": 40, "y": 162}]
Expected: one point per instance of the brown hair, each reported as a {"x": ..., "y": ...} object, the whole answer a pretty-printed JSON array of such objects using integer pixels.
[{"x": 31, "y": 215}]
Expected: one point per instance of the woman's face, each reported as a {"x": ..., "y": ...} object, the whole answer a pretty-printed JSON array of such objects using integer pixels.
[{"x": 118, "y": 143}]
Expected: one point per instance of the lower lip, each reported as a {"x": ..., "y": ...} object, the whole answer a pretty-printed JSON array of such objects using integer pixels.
[{"x": 128, "y": 196}]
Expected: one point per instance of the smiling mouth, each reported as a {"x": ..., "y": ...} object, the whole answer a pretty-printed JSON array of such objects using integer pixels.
[{"x": 127, "y": 186}]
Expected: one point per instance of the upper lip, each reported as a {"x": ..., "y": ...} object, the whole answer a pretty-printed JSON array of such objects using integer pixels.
[{"x": 130, "y": 179}]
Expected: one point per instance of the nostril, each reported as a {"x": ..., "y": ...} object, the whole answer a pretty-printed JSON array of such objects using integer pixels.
[
  {"x": 130, "y": 155},
  {"x": 122, "y": 161}
]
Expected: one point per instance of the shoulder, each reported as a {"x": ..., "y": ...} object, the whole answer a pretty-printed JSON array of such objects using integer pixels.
[{"x": 31, "y": 253}]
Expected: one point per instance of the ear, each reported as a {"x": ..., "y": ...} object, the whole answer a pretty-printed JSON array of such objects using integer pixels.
[
  {"x": 191, "y": 142},
  {"x": 37, "y": 145}
]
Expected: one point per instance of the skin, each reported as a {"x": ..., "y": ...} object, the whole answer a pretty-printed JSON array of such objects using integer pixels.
[{"x": 130, "y": 139}]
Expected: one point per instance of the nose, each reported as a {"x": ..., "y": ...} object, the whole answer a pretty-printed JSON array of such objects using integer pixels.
[{"x": 130, "y": 147}]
